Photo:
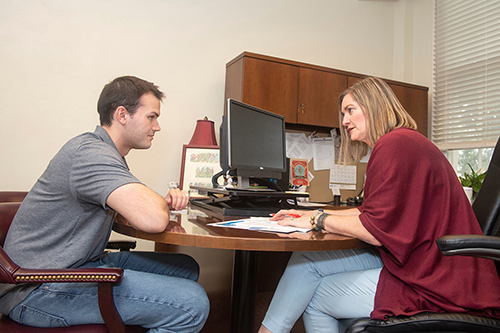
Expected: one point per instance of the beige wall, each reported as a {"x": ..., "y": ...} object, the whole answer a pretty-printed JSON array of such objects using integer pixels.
[{"x": 56, "y": 55}]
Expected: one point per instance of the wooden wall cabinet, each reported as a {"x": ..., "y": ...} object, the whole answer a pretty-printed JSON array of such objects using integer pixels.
[
  {"x": 306, "y": 94},
  {"x": 415, "y": 102},
  {"x": 413, "y": 98},
  {"x": 318, "y": 97},
  {"x": 269, "y": 85}
]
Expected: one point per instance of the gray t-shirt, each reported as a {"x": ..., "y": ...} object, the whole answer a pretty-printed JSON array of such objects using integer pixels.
[{"x": 64, "y": 221}]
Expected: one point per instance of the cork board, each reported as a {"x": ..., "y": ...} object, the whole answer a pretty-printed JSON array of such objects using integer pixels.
[{"x": 319, "y": 188}]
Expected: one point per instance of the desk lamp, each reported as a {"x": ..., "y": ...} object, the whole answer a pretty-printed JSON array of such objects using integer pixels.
[
  {"x": 204, "y": 133},
  {"x": 203, "y": 138}
]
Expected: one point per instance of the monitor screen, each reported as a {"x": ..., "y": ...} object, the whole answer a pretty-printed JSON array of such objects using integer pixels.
[{"x": 255, "y": 141}]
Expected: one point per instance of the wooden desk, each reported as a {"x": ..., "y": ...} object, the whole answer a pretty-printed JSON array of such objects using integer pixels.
[{"x": 191, "y": 230}]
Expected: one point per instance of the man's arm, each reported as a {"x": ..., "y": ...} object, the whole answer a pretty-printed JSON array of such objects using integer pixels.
[{"x": 142, "y": 207}]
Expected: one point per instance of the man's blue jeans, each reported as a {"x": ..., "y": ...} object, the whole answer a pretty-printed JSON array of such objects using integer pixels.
[
  {"x": 157, "y": 291},
  {"x": 328, "y": 288}
]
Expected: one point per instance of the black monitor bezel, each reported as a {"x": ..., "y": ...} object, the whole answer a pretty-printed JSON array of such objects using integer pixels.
[{"x": 253, "y": 170}]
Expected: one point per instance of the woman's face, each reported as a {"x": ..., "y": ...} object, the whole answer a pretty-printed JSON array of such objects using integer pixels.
[{"x": 354, "y": 120}]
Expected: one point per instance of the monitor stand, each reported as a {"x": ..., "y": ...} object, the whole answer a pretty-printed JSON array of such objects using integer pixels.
[
  {"x": 243, "y": 182},
  {"x": 241, "y": 202}
]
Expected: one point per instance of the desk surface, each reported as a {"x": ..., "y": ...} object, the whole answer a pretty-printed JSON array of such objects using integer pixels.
[
  {"x": 231, "y": 280},
  {"x": 192, "y": 229}
]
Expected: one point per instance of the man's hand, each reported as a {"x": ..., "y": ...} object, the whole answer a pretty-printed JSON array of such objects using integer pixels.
[{"x": 176, "y": 199}]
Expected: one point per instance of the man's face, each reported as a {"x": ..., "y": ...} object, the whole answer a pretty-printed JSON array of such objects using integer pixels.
[{"x": 143, "y": 124}]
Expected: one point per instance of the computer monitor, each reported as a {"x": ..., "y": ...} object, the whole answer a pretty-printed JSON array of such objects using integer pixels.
[{"x": 252, "y": 143}]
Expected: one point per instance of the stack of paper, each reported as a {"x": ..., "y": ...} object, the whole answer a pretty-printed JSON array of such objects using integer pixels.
[{"x": 259, "y": 224}]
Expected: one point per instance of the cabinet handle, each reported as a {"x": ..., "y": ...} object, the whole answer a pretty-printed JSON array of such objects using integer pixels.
[{"x": 302, "y": 108}]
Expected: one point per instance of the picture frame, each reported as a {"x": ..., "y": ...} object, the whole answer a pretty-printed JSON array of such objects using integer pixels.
[{"x": 199, "y": 164}]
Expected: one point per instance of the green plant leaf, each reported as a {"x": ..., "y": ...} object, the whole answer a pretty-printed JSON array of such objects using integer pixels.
[{"x": 474, "y": 180}]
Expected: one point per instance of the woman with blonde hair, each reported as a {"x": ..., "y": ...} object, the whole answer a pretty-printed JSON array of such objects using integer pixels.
[
  {"x": 386, "y": 114},
  {"x": 412, "y": 197}
]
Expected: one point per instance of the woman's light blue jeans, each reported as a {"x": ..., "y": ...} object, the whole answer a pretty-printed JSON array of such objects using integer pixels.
[
  {"x": 157, "y": 291},
  {"x": 328, "y": 288}
]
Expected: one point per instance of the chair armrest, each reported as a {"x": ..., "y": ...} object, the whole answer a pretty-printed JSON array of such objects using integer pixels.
[
  {"x": 12, "y": 273},
  {"x": 426, "y": 322},
  {"x": 470, "y": 245},
  {"x": 12, "y": 196},
  {"x": 121, "y": 245},
  {"x": 25, "y": 275}
]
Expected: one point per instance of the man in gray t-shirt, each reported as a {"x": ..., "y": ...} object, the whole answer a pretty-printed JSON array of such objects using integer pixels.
[{"x": 66, "y": 219}]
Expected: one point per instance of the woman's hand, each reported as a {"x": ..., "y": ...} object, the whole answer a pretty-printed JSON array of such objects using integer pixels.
[
  {"x": 346, "y": 223},
  {"x": 296, "y": 218}
]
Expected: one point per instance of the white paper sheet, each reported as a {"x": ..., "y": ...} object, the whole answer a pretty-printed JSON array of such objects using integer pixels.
[
  {"x": 258, "y": 224},
  {"x": 324, "y": 153},
  {"x": 299, "y": 146}
]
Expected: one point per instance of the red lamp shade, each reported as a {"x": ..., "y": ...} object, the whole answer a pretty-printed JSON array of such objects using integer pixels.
[{"x": 204, "y": 133}]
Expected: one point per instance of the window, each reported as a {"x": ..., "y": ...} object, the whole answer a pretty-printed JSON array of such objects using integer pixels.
[
  {"x": 478, "y": 159},
  {"x": 466, "y": 101}
]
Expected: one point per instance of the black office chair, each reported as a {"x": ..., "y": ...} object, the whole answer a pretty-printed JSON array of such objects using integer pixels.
[{"x": 486, "y": 206}]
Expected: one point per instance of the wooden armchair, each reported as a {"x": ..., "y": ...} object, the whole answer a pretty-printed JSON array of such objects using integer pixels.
[
  {"x": 18, "y": 196},
  {"x": 105, "y": 277}
]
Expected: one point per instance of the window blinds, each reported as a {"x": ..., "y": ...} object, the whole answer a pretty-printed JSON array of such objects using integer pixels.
[{"x": 466, "y": 101}]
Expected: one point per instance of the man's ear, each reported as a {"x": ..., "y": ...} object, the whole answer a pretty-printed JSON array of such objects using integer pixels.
[{"x": 121, "y": 115}]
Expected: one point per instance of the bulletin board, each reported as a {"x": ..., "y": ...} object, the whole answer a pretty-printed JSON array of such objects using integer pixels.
[{"x": 319, "y": 187}]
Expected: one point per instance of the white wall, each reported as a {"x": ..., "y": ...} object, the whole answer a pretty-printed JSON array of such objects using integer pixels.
[{"x": 56, "y": 55}]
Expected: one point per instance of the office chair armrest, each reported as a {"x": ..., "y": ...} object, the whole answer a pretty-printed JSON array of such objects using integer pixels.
[
  {"x": 121, "y": 245},
  {"x": 426, "y": 322},
  {"x": 470, "y": 245}
]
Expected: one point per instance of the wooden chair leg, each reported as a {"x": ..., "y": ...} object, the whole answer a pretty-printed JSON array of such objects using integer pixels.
[{"x": 111, "y": 317}]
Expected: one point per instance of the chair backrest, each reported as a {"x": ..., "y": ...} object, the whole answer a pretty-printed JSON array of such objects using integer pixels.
[
  {"x": 7, "y": 212},
  {"x": 12, "y": 196},
  {"x": 486, "y": 206},
  {"x": 9, "y": 203}
]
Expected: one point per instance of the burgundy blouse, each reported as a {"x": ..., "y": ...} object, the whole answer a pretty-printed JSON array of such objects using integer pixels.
[{"x": 412, "y": 197}]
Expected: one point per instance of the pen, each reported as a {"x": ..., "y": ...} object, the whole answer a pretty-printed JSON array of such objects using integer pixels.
[{"x": 231, "y": 222}]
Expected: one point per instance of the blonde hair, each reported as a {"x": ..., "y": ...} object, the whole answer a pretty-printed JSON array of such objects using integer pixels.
[{"x": 383, "y": 113}]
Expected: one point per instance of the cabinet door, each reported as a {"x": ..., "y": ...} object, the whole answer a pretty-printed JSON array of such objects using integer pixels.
[
  {"x": 352, "y": 80},
  {"x": 271, "y": 86},
  {"x": 415, "y": 103},
  {"x": 318, "y": 97}
]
